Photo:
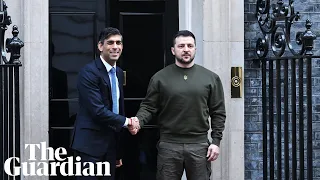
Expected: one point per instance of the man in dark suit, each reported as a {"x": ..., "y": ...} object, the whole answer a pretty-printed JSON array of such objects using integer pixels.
[{"x": 101, "y": 113}]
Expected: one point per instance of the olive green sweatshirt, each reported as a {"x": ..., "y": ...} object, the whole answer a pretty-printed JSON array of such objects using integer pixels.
[{"x": 182, "y": 99}]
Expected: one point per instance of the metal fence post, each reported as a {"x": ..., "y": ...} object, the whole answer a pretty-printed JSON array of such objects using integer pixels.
[
  {"x": 276, "y": 47},
  {"x": 9, "y": 93}
]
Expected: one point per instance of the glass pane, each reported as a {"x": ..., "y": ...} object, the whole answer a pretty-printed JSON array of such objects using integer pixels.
[
  {"x": 73, "y": 46},
  {"x": 72, "y": 5},
  {"x": 143, "y": 53}
]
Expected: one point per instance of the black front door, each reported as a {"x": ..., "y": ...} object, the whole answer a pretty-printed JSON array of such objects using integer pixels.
[{"x": 147, "y": 28}]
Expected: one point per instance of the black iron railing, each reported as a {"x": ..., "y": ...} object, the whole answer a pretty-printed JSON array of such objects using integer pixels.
[
  {"x": 9, "y": 93},
  {"x": 286, "y": 66}
]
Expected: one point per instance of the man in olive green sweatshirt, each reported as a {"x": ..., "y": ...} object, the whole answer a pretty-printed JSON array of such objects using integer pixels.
[{"x": 182, "y": 96}]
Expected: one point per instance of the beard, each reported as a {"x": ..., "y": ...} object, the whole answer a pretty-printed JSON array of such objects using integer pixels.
[{"x": 180, "y": 60}]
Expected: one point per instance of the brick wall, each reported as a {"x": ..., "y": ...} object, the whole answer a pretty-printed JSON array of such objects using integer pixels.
[{"x": 309, "y": 9}]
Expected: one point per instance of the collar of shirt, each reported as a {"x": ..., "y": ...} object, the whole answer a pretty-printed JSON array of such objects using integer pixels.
[{"x": 107, "y": 65}]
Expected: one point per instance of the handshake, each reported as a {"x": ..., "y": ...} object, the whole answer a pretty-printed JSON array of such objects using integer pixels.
[{"x": 134, "y": 125}]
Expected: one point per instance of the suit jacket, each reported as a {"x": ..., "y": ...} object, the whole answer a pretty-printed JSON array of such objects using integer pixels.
[{"x": 96, "y": 127}]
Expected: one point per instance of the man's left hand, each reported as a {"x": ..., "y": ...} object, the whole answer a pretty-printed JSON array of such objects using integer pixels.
[
  {"x": 213, "y": 152},
  {"x": 119, "y": 163}
]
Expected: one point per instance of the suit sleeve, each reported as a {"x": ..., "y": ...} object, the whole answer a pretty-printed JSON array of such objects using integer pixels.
[{"x": 90, "y": 95}]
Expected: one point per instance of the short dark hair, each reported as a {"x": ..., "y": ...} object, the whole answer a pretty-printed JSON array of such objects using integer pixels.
[
  {"x": 184, "y": 33},
  {"x": 107, "y": 32}
]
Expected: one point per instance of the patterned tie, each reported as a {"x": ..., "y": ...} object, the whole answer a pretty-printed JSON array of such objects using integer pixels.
[{"x": 114, "y": 91}]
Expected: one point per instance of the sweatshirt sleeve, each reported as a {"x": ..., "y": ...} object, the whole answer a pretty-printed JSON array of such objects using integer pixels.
[
  {"x": 217, "y": 111},
  {"x": 149, "y": 106}
]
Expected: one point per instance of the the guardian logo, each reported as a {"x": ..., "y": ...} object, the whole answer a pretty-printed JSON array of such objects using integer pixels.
[{"x": 68, "y": 166}]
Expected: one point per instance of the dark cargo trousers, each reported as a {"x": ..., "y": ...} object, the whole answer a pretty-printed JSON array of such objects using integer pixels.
[{"x": 173, "y": 158}]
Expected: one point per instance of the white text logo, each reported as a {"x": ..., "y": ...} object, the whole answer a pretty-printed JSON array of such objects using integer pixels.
[{"x": 68, "y": 166}]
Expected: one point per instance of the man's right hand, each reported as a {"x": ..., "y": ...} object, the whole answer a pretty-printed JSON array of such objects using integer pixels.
[{"x": 134, "y": 125}]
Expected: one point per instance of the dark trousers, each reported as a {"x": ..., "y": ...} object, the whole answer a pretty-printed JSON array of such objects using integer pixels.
[
  {"x": 109, "y": 157},
  {"x": 173, "y": 158}
]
